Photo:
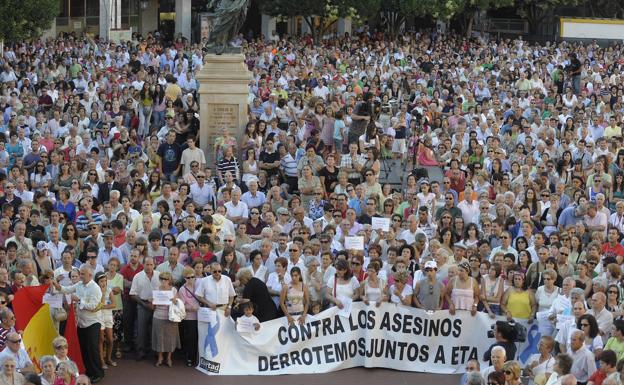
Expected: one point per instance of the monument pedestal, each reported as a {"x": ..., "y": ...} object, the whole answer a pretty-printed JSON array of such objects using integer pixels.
[{"x": 223, "y": 92}]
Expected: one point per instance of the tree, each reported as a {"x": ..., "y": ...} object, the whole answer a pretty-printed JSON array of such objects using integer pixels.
[
  {"x": 536, "y": 11},
  {"x": 26, "y": 19},
  {"x": 319, "y": 15},
  {"x": 396, "y": 11}
]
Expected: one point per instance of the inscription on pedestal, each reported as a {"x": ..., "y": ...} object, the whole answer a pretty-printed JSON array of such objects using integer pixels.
[{"x": 220, "y": 116}]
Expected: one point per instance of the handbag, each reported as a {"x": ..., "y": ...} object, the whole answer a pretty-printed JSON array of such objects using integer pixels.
[{"x": 176, "y": 310}]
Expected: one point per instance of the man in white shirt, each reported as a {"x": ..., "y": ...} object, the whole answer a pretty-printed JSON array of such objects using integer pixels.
[
  {"x": 192, "y": 153},
  {"x": 87, "y": 294},
  {"x": 216, "y": 291},
  {"x": 583, "y": 360},
  {"x": 55, "y": 246},
  {"x": 498, "y": 357},
  {"x": 141, "y": 292},
  {"x": 603, "y": 316},
  {"x": 201, "y": 192},
  {"x": 236, "y": 210}
]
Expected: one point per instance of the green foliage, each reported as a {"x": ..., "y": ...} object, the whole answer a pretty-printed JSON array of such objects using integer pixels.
[
  {"x": 26, "y": 19},
  {"x": 535, "y": 11}
]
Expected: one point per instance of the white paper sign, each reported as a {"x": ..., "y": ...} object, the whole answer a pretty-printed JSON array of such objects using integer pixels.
[
  {"x": 162, "y": 297},
  {"x": 347, "y": 303},
  {"x": 54, "y": 300},
  {"x": 354, "y": 243},
  {"x": 206, "y": 314},
  {"x": 379, "y": 223},
  {"x": 244, "y": 325}
]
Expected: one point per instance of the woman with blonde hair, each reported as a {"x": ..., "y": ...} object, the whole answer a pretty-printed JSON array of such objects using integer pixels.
[
  {"x": 511, "y": 369},
  {"x": 165, "y": 335}
]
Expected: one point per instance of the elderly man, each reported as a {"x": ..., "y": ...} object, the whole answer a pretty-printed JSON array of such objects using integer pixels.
[
  {"x": 15, "y": 351},
  {"x": 583, "y": 360},
  {"x": 141, "y": 292},
  {"x": 566, "y": 328},
  {"x": 603, "y": 316},
  {"x": 498, "y": 358},
  {"x": 87, "y": 294},
  {"x": 216, "y": 291}
]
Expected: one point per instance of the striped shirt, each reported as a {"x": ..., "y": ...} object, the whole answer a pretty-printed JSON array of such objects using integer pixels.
[
  {"x": 288, "y": 165},
  {"x": 230, "y": 165},
  {"x": 82, "y": 222}
]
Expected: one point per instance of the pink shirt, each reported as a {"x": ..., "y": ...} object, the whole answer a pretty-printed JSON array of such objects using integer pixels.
[{"x": 189, "y": 300}]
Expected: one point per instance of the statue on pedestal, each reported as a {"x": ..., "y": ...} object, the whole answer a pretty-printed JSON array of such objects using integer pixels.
[{"x": 229, "y": 16}]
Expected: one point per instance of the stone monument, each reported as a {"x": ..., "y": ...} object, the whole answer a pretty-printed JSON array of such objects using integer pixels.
[
  {"x": 223, "y": 92},
  {"x": 224, "y": 78}
]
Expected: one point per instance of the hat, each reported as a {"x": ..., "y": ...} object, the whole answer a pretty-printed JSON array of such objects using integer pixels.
[
  {"x": 283, "y": 210},
  {"x": 460, "y": 245},
  {"x": 431, "y": 265},
  {"x": 41, "y": 245},
  {"x": 99, "y": 275},
  {"x": 108, "y": 233},
  {"x": 93, "y": 223}
]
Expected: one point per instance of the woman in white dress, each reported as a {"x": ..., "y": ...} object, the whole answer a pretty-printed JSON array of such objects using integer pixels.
[
  {"x": 342, "y": 286},
  {"x": 373, "y": 289}
]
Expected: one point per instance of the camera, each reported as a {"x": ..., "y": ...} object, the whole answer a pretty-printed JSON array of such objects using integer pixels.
[{"x": 511, "y": 331}]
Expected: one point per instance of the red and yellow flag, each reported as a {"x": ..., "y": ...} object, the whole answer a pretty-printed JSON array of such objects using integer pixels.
[{"x": 32, "y": 317}]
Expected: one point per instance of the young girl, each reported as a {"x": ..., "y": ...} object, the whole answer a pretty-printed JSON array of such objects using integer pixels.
[
  {"x": 106, "y": 330},
  {"x": 248, "y": 318},
  {"x": 339, "y": 127}
]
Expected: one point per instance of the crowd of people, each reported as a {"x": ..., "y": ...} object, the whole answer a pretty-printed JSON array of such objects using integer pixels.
[{"x": 106, "y": 197}]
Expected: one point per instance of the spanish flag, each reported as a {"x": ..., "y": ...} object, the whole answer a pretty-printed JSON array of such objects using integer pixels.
[{"x": 33, "y": 317}]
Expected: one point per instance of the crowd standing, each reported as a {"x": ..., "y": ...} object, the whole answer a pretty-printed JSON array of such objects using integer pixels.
[{"x": 106, "y": 196}]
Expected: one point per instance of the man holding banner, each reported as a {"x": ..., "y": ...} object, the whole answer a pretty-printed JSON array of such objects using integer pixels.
[{"x": 87, "y": 296}]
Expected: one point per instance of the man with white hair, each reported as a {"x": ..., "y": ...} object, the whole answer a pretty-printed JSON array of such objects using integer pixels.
[
  {"x": 603, "y": 316},
  {"x": 498, "y": 357},
  {"x": 87, "y": 294},
  {"x": 584, "y": 364},
  {"x": 15, "y": 351}
]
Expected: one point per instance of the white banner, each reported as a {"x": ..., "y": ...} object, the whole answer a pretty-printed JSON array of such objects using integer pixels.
[{"x": 388, "y": 336}]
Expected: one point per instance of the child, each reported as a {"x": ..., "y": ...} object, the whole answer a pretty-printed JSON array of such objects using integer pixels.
[
  {"x": 339, "y": 127},
  {"x": 315, "y": 307},
  {"x": 248, "y": 317}
]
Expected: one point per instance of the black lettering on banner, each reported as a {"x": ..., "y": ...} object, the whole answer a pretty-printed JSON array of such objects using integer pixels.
[
  {"x": 439, "y": 357},
  {"x": 418, "y": 325},
  {"x": 457, "y": 324},
  {"x": 391, "y": 349},
  {"x": 283, "y": 359},
  {"x": 407, "y": 321},
  {"x": 338, "y": 328},
  {"x": 353, "y": 347},
  {"x": 371, "y": 320},
  {"x": 273, "y": 363},
  {"x": 263, "y": 364},
  {"x": 385, "y": 322},
  {"x": 317, "y": 350},
  {"x": 461, "y": 354},
  {"x": 352, "y": 325},
  {"x": 396, "y": 326},
  {"x": 282, "y": 335},
  {"x": 294, "y": 358},
  {"x": 402, "y": 346},
  {"x": 306, "y": 356},
  {"x": 329, "y": 354},
  {"x": 412, "y": 352},
  {"x": 362, "y": 347},
  {"x": 342, "y": 352}
]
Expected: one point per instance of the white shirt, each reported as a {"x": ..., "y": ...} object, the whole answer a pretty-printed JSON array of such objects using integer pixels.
[
  {"x": 55, "y": 251},
  {"x": 201, "y": 194},
  {"x": 240, "y": 210},
  {"x": 605, "y": 322},
  {"x": 142, "y": 286},
  {"x": 583, "y": 365},
  {"x": 90, "y": 296},
  {"x": 216, "y": 292}
]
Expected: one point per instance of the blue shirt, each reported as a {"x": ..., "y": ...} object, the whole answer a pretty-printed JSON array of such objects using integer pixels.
[{"x": 568, "y": 217}]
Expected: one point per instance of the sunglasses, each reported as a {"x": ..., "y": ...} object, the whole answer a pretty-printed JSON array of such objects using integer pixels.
[
  {"x": 508, "y": 372},
  {"x": 189, "y": 277},
  {"x": 217, "y": 271}
]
